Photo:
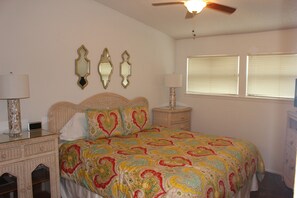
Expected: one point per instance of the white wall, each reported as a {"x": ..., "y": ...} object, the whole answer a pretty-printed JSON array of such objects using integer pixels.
[
  {"x": 41, "y": 38},
  {"x": 262, "y": 122}
]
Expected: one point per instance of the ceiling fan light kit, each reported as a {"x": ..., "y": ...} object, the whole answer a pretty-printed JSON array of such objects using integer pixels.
[{"x": 195, "y": 6}]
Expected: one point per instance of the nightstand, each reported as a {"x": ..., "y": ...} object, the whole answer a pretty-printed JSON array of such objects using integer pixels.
[
  {"x": 29, "y": 165},
  {"x": 180, "y": 117}
]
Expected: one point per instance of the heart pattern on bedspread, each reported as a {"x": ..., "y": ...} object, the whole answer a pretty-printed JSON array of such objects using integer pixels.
[
  {"x": 183, "y": 135},
  {"x": 161, "y": 142},
  {"x": 70, "y": 164},
  {"x": 104, "y": 172},
  {"x": 139, "y": 118},
  {"x": 161, "y": 163},
  {"x": 135, "y": 118},
  {"x": 175, "y": 162},
  {"x": 151, "y": 185},
  {"x": 133, "y": 151},
  {"x": 222, "y": 191},
  {"x": 221, "y": 142},
  {"x": 201, "y": 151},
  {"x": 104, "y": 123},
  {"x": 107, "y": 123}
]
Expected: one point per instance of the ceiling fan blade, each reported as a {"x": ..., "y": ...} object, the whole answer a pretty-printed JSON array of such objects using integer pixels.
[
  {"x": 189, "y": 15},
  {"x": 220, "y": 7},
  {"x": 167, "y": 3}
]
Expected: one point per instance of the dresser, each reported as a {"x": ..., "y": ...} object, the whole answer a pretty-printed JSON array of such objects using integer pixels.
[
  {"x": 290, "y": 149},
  {"x": 180, "y": 117},
  {"x": 28, "y": 163}
]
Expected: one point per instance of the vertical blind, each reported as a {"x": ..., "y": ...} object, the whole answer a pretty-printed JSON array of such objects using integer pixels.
[
  {"x": 272, "y": 75},
  {"x": 213, "y": 74}
]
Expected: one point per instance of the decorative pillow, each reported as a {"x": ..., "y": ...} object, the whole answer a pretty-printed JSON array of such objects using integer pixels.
[
  {"x": 135, "y": 118},
  {"x": 104, "y": 123},
  {"x": 75, "y": 128}
]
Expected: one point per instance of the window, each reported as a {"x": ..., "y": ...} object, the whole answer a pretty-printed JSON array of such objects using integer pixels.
[
  {"x": 213, "y": 74},
  {"x": 272, "y": 75}
]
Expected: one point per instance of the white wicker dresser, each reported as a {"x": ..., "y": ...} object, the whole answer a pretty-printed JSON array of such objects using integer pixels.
[{"x": 35, "y": 151}]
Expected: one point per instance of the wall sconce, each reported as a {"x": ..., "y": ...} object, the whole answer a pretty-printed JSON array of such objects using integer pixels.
[
  {"x": 173, "y": 81},
  {"x": 13, "y": 88}
]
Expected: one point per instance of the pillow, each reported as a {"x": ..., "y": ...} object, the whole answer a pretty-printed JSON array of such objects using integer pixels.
[
  {"x": 135, "y": 118},
  {"x": 75, "y": 128},
  {"x": 104, "y": 123}
]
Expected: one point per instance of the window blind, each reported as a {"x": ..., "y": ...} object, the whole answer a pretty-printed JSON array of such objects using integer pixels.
[
  {"x": 272, "y": 75},
  {"x": 213, "y": 74}
]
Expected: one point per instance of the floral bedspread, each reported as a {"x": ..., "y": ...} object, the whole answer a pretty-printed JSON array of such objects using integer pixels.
[{"x": 161, "y": 162}]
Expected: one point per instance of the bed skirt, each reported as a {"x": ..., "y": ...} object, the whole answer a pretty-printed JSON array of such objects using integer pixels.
[{"x": 73, "y": 190}]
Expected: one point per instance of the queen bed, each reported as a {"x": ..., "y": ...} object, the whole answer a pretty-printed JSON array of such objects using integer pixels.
[{"x": 109, "y": 148}]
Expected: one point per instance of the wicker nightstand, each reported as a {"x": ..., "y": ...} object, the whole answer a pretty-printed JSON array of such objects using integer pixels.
[
  {"x": 180, "y": 117},
  {"x": 28, "y": 162}
]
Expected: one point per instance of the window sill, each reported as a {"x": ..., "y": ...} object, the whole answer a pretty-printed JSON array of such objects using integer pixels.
[{"x": 243, "y": 98}]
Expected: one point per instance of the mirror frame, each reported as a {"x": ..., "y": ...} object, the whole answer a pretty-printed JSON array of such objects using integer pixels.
[
  {"x": 125, "y": 59},
  {"x": 105, "y": 58},
  {"x": 82, "y": 56}
]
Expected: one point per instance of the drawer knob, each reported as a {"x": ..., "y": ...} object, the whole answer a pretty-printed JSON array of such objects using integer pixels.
[{"x": 291, "y": 142}]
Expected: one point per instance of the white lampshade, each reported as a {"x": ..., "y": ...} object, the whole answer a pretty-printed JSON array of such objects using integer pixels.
[
  {"x": 14, "y": 86},
  {"x": 195, "y": 5},
  {"x": 173, "y": 80}
]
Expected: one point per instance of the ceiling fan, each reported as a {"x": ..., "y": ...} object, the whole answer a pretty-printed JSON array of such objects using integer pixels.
[{"x": 196, "y": 6}]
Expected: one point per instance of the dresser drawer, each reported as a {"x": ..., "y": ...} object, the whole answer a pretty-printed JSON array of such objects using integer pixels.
[
  {"x": 40, "y": 147},
  {"x": 10, "y": 153},
  {"x": 290, "y": 150},
  {"x": 180, "y": 117},
  {"x": 182, "y": 125},
  {"x": 291, "y": 137},
  {"x": 291, "y": 169}
]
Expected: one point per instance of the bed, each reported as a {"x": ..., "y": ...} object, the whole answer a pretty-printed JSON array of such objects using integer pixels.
[{"x": 109, "y": 148}]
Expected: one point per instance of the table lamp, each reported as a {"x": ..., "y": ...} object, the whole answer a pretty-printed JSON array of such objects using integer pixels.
[
  {"x": 13, "y": 88},
  {"x": 173, "y": 81}
]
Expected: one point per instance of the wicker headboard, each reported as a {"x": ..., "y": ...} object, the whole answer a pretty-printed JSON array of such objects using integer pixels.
[{"x": 61, "y": 112}]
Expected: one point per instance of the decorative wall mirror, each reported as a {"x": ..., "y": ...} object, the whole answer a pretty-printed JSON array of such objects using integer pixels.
[
  {"x": 105, "y": 68},
  {"x": 82, "y": 67},
  {"x": 125, "y": 70}
]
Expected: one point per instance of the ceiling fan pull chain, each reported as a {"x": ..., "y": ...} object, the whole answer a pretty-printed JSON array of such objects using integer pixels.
[{"x": 193, "y": 34}]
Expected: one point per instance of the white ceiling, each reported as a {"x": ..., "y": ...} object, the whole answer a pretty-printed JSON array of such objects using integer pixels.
[{"x": 250, "y": 16}]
